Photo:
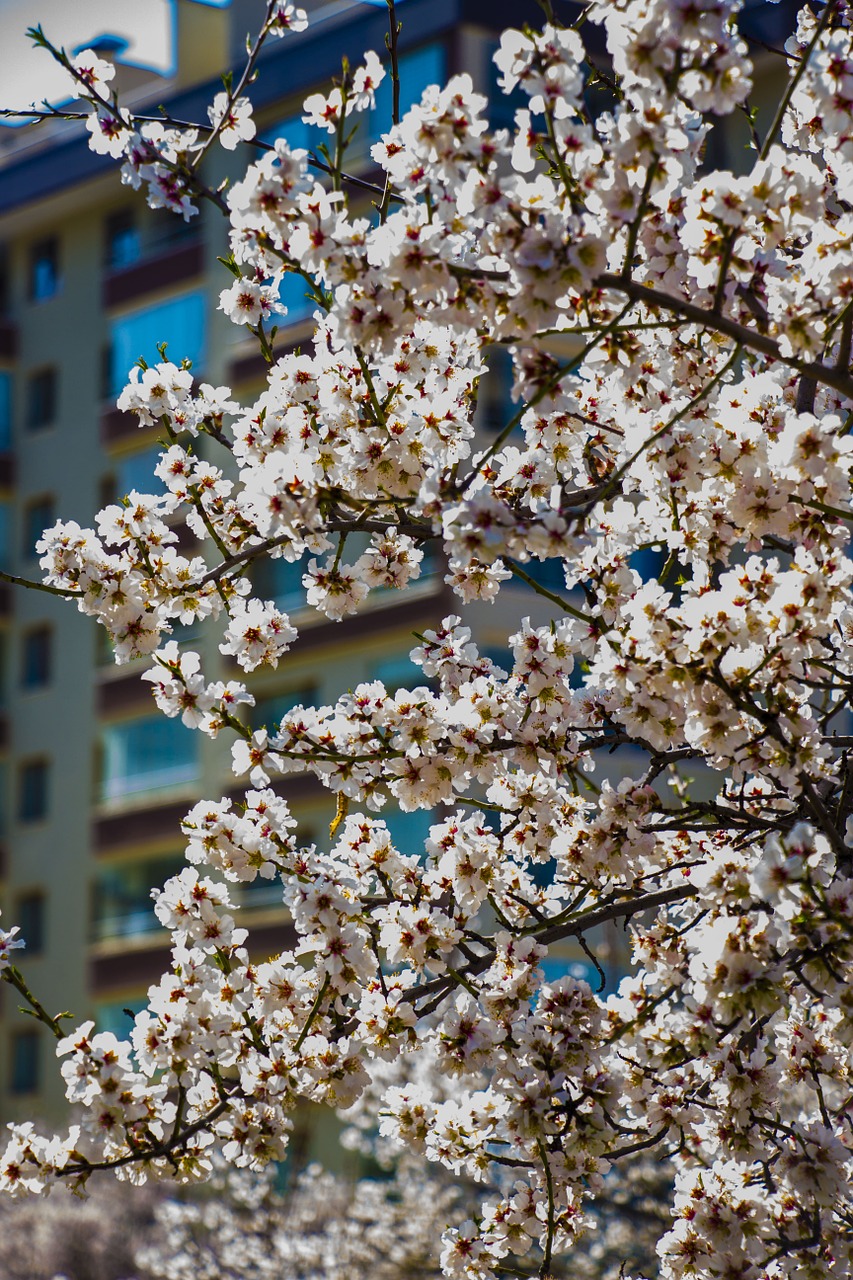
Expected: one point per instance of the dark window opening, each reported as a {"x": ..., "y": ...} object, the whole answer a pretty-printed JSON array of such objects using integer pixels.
[
  {"x": 123, "y": 246},
  {"x": 33, "y": 780},
  {"x": 41, "y": 399},
  {"x": 36, "y": 658},
  {"x": 29, "y": 917},
  {"x": 38, "y": 516},
  {"x": 44, "y": 270},
  {"x": 25, "y": 1062}
]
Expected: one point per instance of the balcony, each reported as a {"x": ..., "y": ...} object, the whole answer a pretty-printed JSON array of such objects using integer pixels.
[
  {"x": 173, "y": 265},
  {"x": 8, "y": 339},
  {"x": 117, "y": 426},
  {"x": 152, "y": 820}
]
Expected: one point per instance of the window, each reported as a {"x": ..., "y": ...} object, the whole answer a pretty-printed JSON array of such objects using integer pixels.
[
  {"x": 122, "y": 906},
  {"x": 36, "y": 658},
  {"x": 44, "y": 270},
  {"x": 409, "y": 832},
  {"x": 280, "y": 581},
  {"x": 33, "y": 784},
  {"x": 556, "y": 967},
  {"x": 300, "y": 136},
  {"x": 648, "y": 562},
  {"x": 105, "y": 372},
  {"x": 502, "y": 106},
  {"x": 293, "y": 293},
  {"x": 29, "y": 917},
  {"x": 267, "y": 712},
  {"x": 4, "y": 280},
  {"x": 5, "y": 411},
  {"x": 117, "y": 1015},
  {"x": 550, "y": 574},
  {"x": 495, "y": 407},
  {"x": 397, "y": 671},
  {"x": 179, "y": 323},
  {"x": 141, "y": 756},
  {"x": 38, "y": 516},
  {"x": 122, "y": 247},
  {"x": 41, "y": 398},
  {"x": 292, "y": 289},
  {"x": 503, "y": 658},
  {"x": 25, "y": 1062},
  {"x": 5, "y": 530},
  {"x": 136, "y": 471},
  {"x": 418, "y": 69},
  {"x": 4, "y": 800}
]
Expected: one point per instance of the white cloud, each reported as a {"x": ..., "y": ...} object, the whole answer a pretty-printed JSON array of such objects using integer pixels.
[{"x": 30, "y": 75}]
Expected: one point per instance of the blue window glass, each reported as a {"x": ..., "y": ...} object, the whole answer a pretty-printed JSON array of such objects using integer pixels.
[
  {"x": 495, "y": 405},
  {"x": 502, "y": 658},
  {"x": 550, "y": 574},
  {"x": 42, "y": 397},
  {"x": 29, "y": 915},
  {"x": 136, "y": 471},
  {"x": 179, "y": 323},
  {"x": 38, "y": 516},
  {"x": 5, "y": 539},
  {"x": 409, "y": 831},
  {"x": 267, "y": 712},
  {"x": 36, "y": 655},
  {"x": 398, "y": 672},
  {"x": 418, "y": 69},
  {"x": 25, "y": 1062},
  {"x": 5, "y": 410},
  {"x": 293, "y": 294},
  {"x": 123, "y": 244},
  {"x": 556, "y": 967},
  {"x": 33, "y": 790},
  {"x": 117, "y": 1015},
  {"x": 648, "y": 562},
  {"x": 122, "y": 905},
  {"x": 281, "y": 582},
  {"x": 502, "y": 106},
  {"x": 44, "y": 270},
  {"x": 142, "y": 756},
  {"x": 299, "y": 135}
]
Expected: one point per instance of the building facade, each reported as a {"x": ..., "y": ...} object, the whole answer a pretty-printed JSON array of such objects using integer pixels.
[{"x": 93, "y": 780}]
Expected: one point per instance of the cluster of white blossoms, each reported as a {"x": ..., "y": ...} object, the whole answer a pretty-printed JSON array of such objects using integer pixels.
[{"x": 681, "y": 345}]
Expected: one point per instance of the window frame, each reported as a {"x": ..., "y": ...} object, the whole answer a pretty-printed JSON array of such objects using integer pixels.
[
  {"x": 25, "y": 1072},
  {"x": 41, "y": 409},
  {"x": 125, "y": 348},
  {"x": 30, "y": 912},
  {"x": 43, "y": 664},
  {"x": 32, "y": 800},
  {"x": 46, "y": 251},
  {"x": 134, "y": 786},
  {"x": 47, "y": 503},
  {"x": 119, "y": 223}
]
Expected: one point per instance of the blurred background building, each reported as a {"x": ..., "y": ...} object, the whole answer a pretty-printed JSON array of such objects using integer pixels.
[{"x": 93, "y": 780}]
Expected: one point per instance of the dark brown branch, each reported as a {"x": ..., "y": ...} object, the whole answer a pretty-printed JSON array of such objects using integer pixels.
[
  {"x": 175, "y": 1142},
  {"x": 38, "y": 586},
  {"x": 826, "y": 374}
]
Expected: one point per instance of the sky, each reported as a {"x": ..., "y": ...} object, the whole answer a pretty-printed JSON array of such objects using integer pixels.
[
  {"x": 29, "y": 75},
  {"x": 144, "y": 30}
]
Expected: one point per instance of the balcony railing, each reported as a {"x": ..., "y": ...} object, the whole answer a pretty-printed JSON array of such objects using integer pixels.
[{"x": 172, "y": 265}]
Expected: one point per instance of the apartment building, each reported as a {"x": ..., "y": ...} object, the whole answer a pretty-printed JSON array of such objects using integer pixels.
[{"x": 93, "y": 780}]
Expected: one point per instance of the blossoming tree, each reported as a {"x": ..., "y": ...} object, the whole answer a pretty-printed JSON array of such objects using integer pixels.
[{"x": 704, "y": 411}]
